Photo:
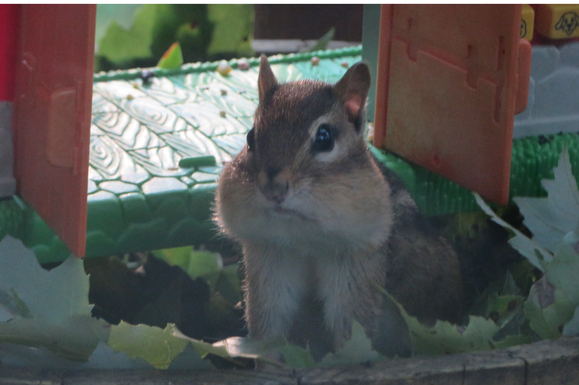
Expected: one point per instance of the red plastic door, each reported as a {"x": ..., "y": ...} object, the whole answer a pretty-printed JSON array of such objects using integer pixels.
[
  {"x": 52, "y": 112},
  {"x": 450, "y": 80}
]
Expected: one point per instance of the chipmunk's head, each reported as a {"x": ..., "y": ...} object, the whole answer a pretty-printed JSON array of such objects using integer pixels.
[
  {"x": 306, "y": 160},
  {"x": 305, "y": 127}
]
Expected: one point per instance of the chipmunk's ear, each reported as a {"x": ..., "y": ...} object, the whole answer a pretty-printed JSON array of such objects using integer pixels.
[
  {"x": 352, "y": 90},
  {"x": 266, "y": 80}
]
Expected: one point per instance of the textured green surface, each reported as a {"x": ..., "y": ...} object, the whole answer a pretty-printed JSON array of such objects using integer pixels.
[
  {"x": 533, "y": 159},
  {"x": 149, "y": 183}
]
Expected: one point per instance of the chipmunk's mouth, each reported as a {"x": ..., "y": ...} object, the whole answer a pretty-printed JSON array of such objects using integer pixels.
[{"x": 278, "y": 209}]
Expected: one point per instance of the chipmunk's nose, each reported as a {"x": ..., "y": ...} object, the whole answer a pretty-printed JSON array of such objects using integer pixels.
[{"x": 274, "y": 184}]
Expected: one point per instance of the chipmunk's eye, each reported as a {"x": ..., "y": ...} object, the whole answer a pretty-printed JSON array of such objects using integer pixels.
[
  {"x": 251, "y": 140},
  {"x": 323, "y": 141}
]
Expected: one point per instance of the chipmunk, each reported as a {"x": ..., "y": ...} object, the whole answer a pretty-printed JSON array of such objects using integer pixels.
[{"x": 324, "y": 227}]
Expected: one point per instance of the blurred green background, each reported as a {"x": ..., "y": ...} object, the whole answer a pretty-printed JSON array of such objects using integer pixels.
[{"x": 137, "y": 35}]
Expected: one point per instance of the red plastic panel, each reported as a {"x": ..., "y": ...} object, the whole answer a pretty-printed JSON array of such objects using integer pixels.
[
  {"x": 52, "y": 115},
  {"x": 9, "y": 20},
  {"x": 450, "y": 91}
]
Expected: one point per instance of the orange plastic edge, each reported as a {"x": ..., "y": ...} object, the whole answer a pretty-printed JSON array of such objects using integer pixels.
[
  {"x": 382, "y": 76},
  {"x": 51, "y": 138}
]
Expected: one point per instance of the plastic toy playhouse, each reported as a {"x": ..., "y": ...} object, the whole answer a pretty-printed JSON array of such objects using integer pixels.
[{"x": 450, "y": 79}]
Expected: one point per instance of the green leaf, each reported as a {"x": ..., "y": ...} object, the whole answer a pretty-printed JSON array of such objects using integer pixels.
[
  {"x": 563, "y": 272},
  {"x": 531, "y": 250},
  {"x": 446, "y": 338},
  {"x": 59, "y": 318},
  {"x": 466, "y": 225},
  {"x": 502, "y": 308},
  {"x": 322, "y": 43},
  {"x": 237, "y": 347},
  {"x": 155, "y": 345},
  {"x": 195, "y": 263},
  {"x": 121, "y": 45},
  {"x": 554, "y": 298},
  {"x": 54, "y": 312},
  {"x": 572, "y": 327},
  {"x": 73, "y": 338},
  {"x": 549, "y": 219},
  {"x": 13, "y": 305},
  {"x": 228, "y": 284},
  {"x": 358, "y": 349},
  {"x": 104, "y": 357},
  {"x": 176, "y": 256},
  {"x": 233, "y": 29},
  {"x": 189, "y": 359},
  {"x": 548, "y": 309},
  {"x": 203, "y": 263},
  {"x": 260, "y": 350},
  {"x": 122, "y": 14},
  {"x": 297, "y": 357},
  {"x": 512, "y": 340},
  {"x": 51, "y": 296},
  {"x": 172, "y": 58},
  {"x": 203, "y": 348},
  {"x": 186, "y": 23}
]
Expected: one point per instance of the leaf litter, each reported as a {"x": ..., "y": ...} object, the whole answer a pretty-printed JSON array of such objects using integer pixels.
[{"x": 46, "y": 315}]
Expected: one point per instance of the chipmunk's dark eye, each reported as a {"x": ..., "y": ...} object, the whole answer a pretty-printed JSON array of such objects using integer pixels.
[
  {"x": 251, "y": 140},
  {"x": 323, "y": 140}
]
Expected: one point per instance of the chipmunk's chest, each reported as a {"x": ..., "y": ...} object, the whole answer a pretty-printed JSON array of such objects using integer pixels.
[{"x": 304, "y": 236}]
